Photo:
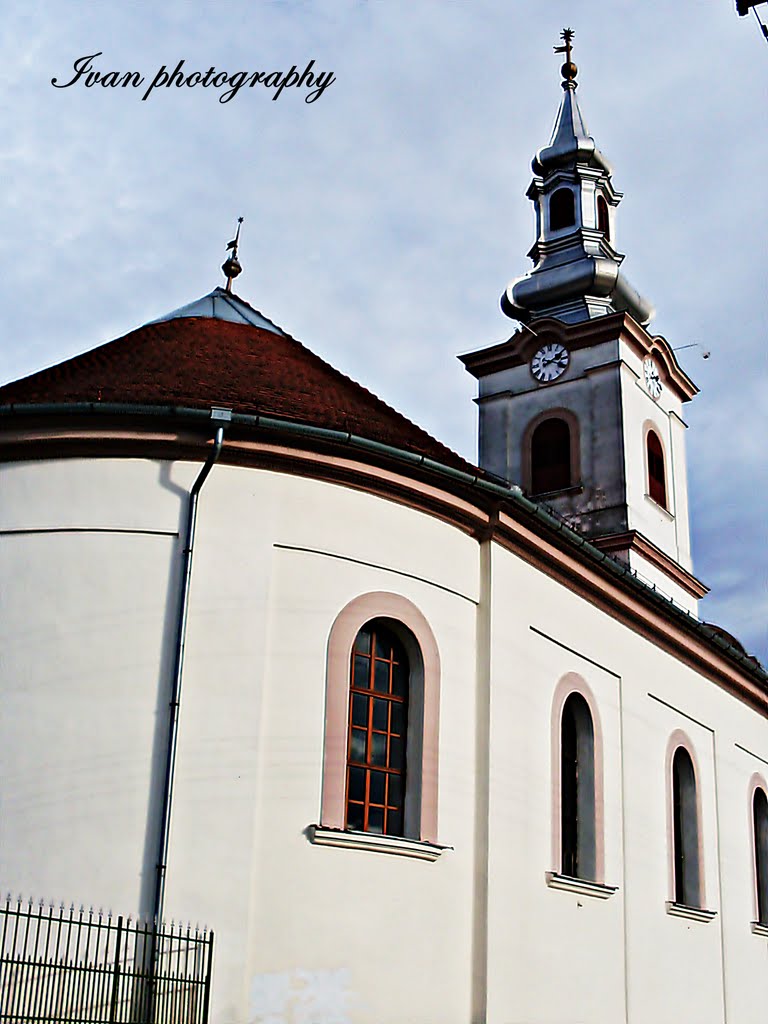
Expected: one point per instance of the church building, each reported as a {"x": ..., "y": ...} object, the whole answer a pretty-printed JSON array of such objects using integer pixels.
[{"x": 421, "y": 741}]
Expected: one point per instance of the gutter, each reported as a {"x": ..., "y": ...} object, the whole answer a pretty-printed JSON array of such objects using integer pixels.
[
  {"x": 219, "y": 416},
  {"x": 511, "y": 492}
]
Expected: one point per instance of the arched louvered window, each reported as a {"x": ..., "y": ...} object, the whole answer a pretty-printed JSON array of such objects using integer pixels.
[
  {"x": 378, "y": 723},
  {"x": 577, "y": 789},
  {"x": 603, "y": 223},
  {"x": 551, "y": 456},
  {"x": 657, "y": 487},
  {"x": 562, "y": 213},
  {"x": 687, "y": 867},
  {"x": 760, "y": 822}
]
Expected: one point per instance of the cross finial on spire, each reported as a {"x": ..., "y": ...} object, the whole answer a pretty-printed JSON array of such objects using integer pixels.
[
  {"x": 569, "y": 69},
  {"x": 231, "y": 266}
]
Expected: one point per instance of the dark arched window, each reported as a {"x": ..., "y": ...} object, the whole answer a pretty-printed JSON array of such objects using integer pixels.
[
  {"x": 657, "y": 487},
  {"x": 378, "y": 721},
  {"x": 577, "y": 789},
  {"x": 686, "y": 830},
  {"x": 551, "y": 456},
  {"x": 561, "y": 209},
  {"x": 603, "y": 223},
  {"x": 760, "y": 819}
]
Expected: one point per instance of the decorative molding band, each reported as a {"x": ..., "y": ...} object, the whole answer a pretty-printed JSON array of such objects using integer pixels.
[
  {"x": 464, "y": 507},
  {"x": 581, "y": 886},
  {"x": 632, "y": 540},
  {"x": 693, "y": 913},
  {"x": 759, "y": 928},
  {"x": 375, "y": 843}
]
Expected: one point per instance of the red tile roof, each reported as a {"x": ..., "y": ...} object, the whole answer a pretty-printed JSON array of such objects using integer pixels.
[{"x": 200, "y": 362}]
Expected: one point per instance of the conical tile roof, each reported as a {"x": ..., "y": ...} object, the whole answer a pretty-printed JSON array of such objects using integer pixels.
[{"x": 219, "y": 351}]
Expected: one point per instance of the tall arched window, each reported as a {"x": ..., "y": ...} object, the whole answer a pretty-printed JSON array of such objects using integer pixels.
[
  {"x": 551, "y": 456},
  {"x": 349, "y": 743},
  {"x": 603, "y": 223},
  {"x": 577, "y": 789},
  {"x": 562, "y": 212},
  {"x": 760, "y": 822},
  {"x": 685, "y": 815},
  {"x": 657, "y": 487},
  {"x": 378, "y": 723}
]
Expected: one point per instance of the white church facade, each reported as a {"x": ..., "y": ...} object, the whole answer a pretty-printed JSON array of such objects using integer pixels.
[{"x": 421, "y": 741}]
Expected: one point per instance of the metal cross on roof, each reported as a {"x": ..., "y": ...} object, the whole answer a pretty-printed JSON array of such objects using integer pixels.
[{"x": 566, "y": 35}]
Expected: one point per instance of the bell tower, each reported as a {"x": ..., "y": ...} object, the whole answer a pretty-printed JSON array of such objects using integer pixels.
[{"x": 582, "y": 406}]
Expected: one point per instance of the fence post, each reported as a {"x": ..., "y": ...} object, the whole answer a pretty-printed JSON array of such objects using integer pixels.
[
  {"x": 207, "y": 988},
  {"x": 116, "y": 973}
]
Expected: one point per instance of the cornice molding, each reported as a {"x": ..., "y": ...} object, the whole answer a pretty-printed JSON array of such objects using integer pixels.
[
  {"x": 518, "y": 349},
  {"x": 633, "y": 540},
  {"x": 454, "y": 501}
]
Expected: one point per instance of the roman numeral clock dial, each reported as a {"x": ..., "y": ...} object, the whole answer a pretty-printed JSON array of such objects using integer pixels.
[{"x": 549, "y": 362}]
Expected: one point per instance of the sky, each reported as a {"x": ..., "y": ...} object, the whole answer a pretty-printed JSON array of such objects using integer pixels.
[{"x": 383, "y": 220}]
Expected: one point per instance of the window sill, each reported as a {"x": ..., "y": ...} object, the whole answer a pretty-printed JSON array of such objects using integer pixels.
[
  {"x": 759, "y": 928},
  {"x": 560, "y": 492},
  {"x": 660, "y": 508},
  {"x": 581, "y": 886},
  {"x": 375, "y": 843},
  {"x": 692, "y": 913}
]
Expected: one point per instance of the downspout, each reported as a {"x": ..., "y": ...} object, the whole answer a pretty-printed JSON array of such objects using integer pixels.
[{"x": 221, "y": 416}]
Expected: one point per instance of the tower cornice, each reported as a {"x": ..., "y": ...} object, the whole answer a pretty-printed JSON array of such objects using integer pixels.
[{"x": 518, "y": 349}]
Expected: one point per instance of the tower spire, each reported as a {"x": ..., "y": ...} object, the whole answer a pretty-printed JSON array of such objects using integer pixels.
[
  {"x": 576, "y": 272},
  {"x": 231, "y": 266}
]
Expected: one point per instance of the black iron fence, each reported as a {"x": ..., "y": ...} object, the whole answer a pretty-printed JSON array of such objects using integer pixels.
[{"x": 68, "y": 965}]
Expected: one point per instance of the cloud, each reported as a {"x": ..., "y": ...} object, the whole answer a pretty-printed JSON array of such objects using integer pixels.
[{"x": 384, "y": 220}]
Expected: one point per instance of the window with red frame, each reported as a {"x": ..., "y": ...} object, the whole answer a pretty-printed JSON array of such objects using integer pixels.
[
  {"x": 657, "y": 487},
  {"x": 378, "y": 723}
]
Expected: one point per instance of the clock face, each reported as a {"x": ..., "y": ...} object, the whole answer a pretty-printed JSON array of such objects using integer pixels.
[
  {"x": 549, "y": 362},
  {"x": 652, "y": 378}
]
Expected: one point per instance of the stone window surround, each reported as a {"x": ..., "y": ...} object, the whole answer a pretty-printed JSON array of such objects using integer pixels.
[{"x": 345, "y": 628}]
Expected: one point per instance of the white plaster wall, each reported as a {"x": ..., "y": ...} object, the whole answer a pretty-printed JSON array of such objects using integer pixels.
[
  {"x": 88, "y": 621},
  {"x": 550, "y": 959},
  {"x": 294, "y": 920},
  {"x": 553, "y": 956},
  {"x": 87, "y": 601},
  {"x": 335, "y": 935},
  {"x": 667, "y": 528}
]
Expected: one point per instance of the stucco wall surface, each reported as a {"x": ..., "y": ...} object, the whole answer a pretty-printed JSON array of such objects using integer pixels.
[
  {"x": 89, "y": 563},
  {"x": 556, "y": 955}
]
